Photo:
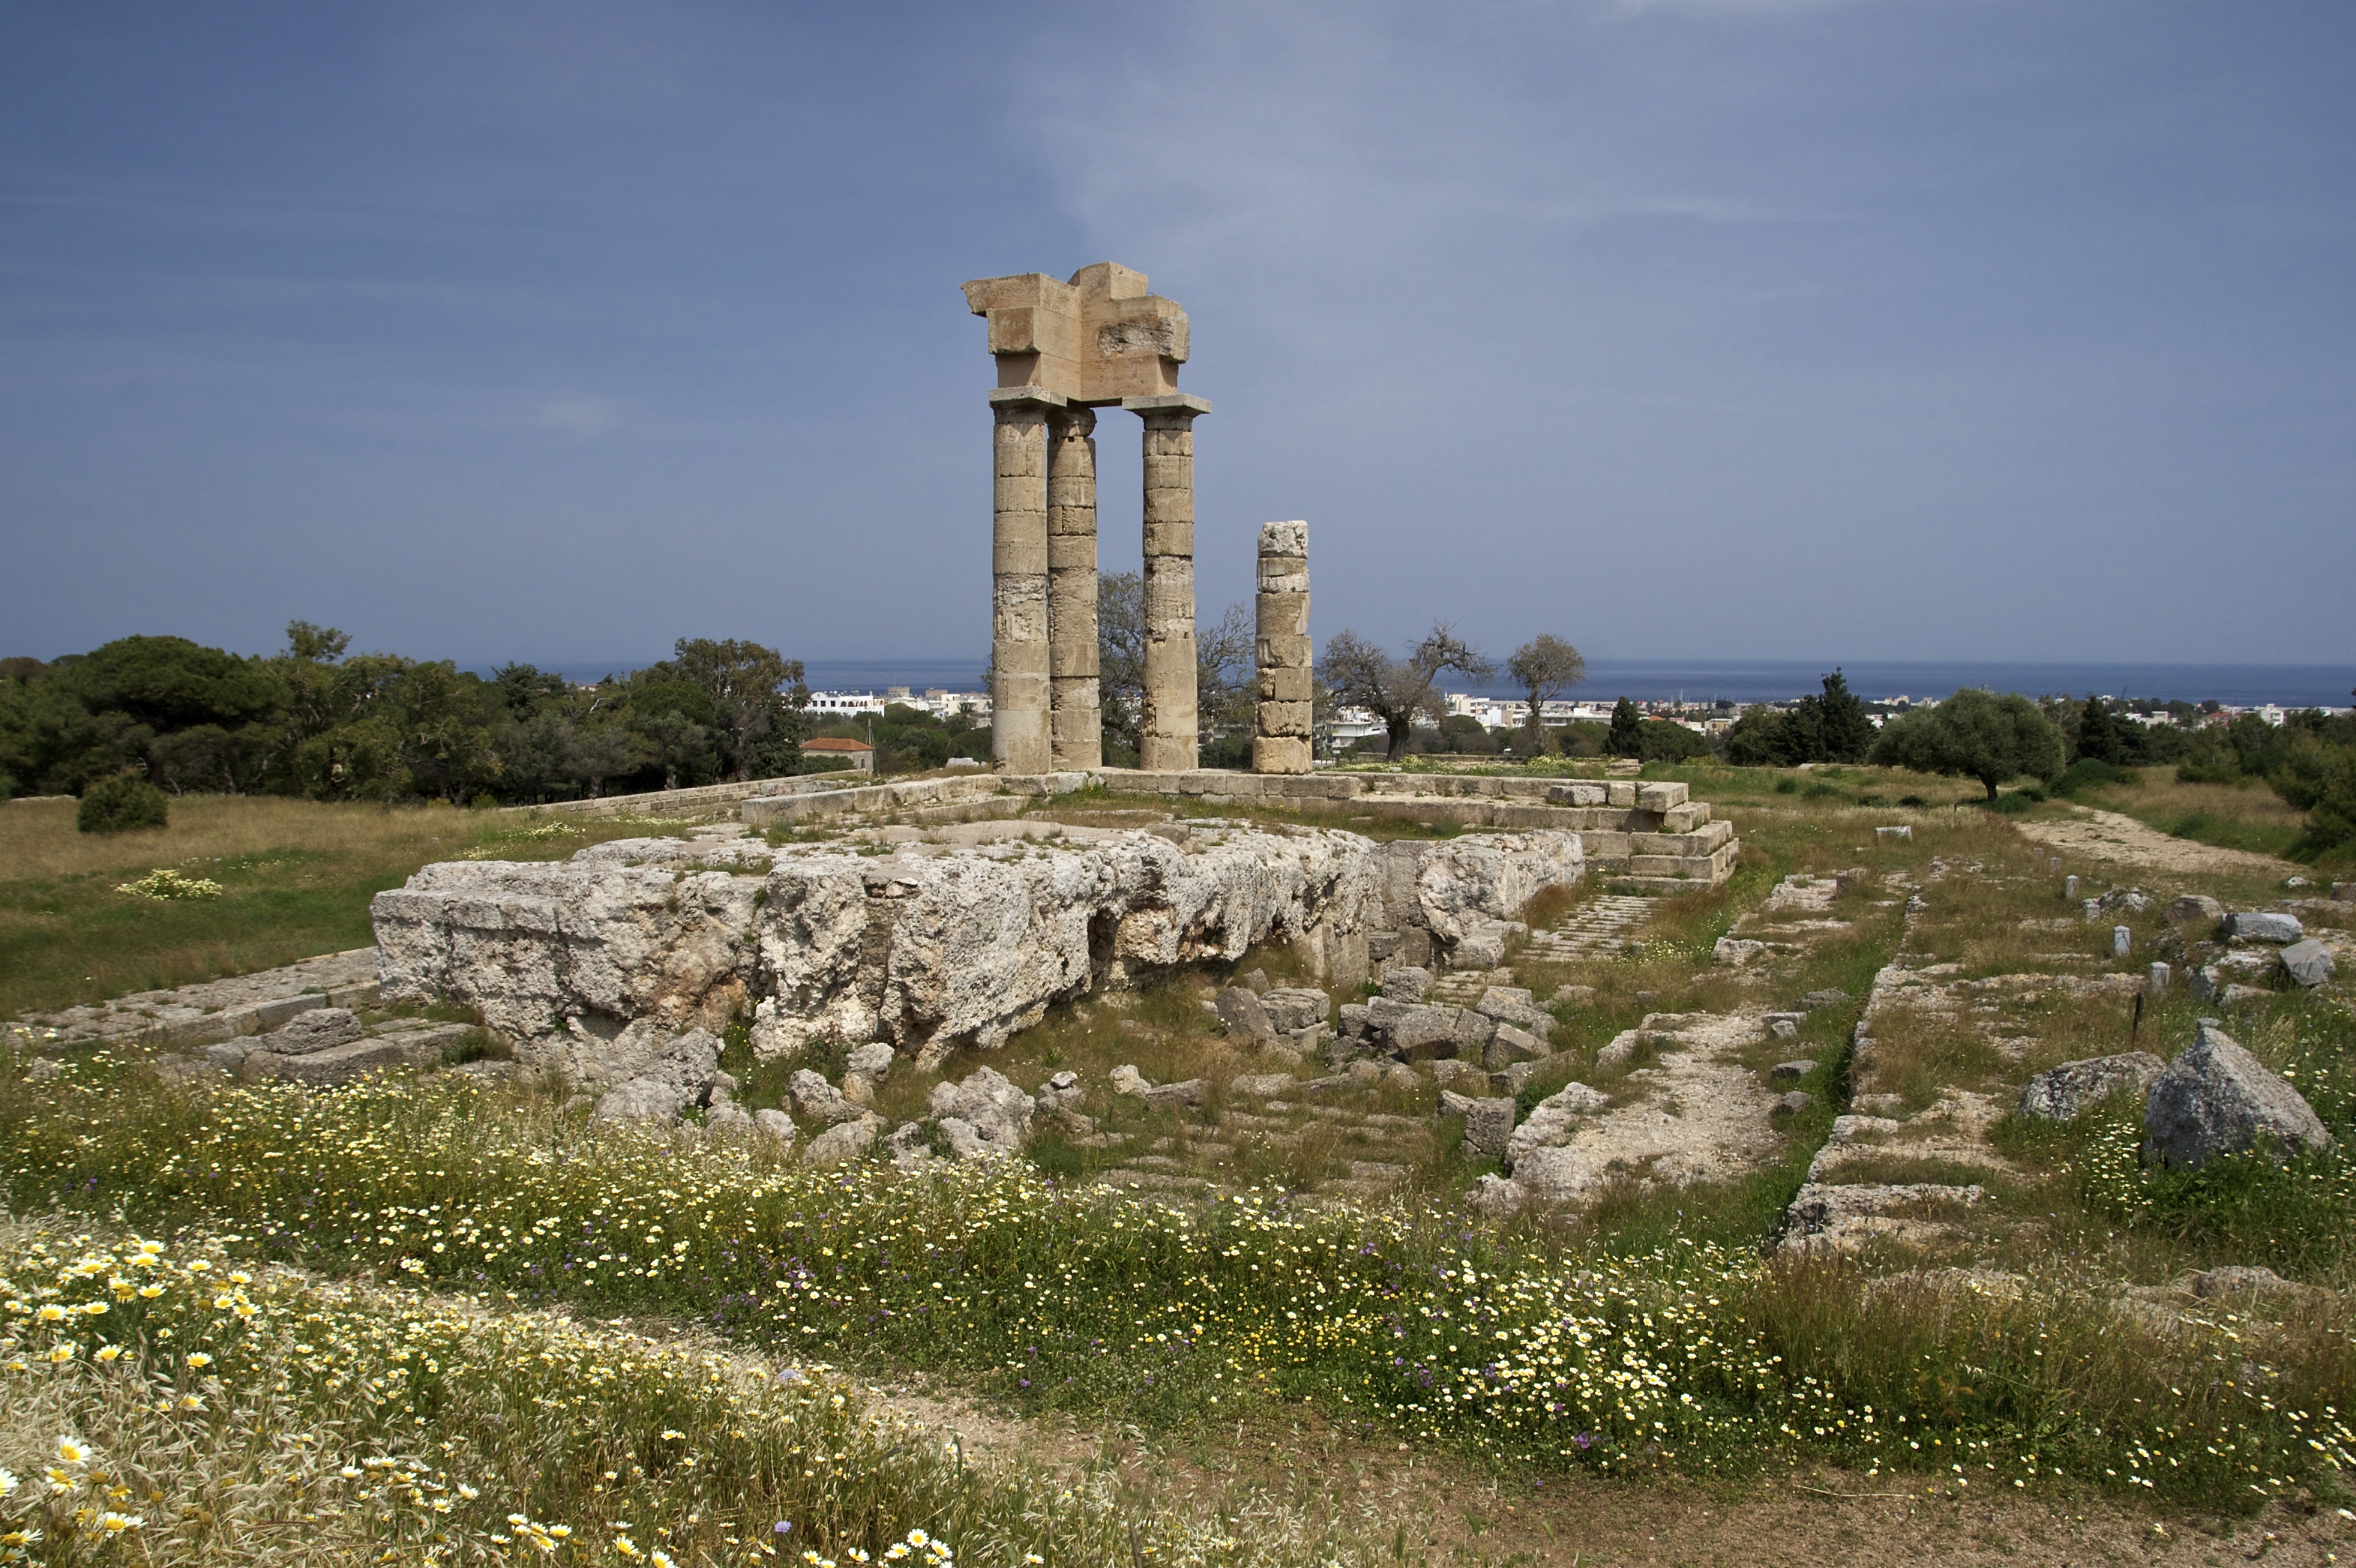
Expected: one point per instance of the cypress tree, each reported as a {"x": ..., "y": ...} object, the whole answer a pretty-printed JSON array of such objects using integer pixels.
[
  {"x": 1627, "y": 736},
  {"x": 1846, "y": 732}
]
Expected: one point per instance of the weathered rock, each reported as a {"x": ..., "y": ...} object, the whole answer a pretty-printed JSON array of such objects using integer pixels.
[
  {"x": 1792, "y": 1071},
  {"x": 1783, "y": 1028},
  {"x": 909, "y": 1146},
  {"x": 1059, "y": 1093},
  {"x": 1293, "y": 1008},
  {"x": 990, "y": 1106},
  {"x": 815, "y": 1100},
  {"x": 729, "y": 1119},
  {"x": 1127, "y": 1080},
  {"x": 1510, "y": 1045},
  {"x": 1483, "y": 945},
  {"x": 1245, "y": 1014},
  {"x": 1791, "y": 1104},
  {"x": 872, "y": 1061},
  {"x": 2263, "y": 925},
  {"x": 2061, "y": 1093},
  {"x": 1256, "y": 982},
  {"x": 777, "y": 1124},
  {"x": 1569, "y": 995},
  {"x": 2196, "y": 907},
  {"x": 1464, "y": 1078},
  {"x": 1170, "y": 1096},
  {"x": 1352, "y": 1022},
  {"x": 1736, "y": 951},
  {"x": 1830, "y": 997},
  {"x": 1452, "y": 1103},
  {"x": 1847, "y": 1216},
  {"x": 2308, "y": 961},
  {"x": 1462, "y": 884},
  {"x": 843, "y": 1143},
  {"x": 1405, "y": 983},
  {"x": 1512, "y": 1005},
  {"x": 313, "y": 1031},
  {"x": 1264, "y": 1085},
  {"x": 2217, "y": 1099},
  {"x": 1553, "y": 1121},
  {"x": 1489, "y": 1126},
  {"x": 342, "y": 1064},
  {"x": 2237, "y": 1277},
  {"x": 677, "y": 1077}
]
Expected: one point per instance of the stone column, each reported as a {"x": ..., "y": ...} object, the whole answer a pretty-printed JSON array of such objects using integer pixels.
[
  {"x": 1167, "y": 733},
  {"x": 1075, "y": 727},
  {"x": 1280, "y": 738},
  {"x": 1017, "y": 564}
]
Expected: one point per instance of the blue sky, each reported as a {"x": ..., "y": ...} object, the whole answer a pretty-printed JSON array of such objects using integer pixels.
[{"x": 1693, "y": 329}]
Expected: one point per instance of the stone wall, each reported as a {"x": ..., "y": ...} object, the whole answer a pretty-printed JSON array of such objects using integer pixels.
[{"x": 581, "y": 963}]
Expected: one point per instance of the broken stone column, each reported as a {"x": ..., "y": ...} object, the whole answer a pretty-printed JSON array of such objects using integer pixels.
[
  {"x": 1075, "y": 727},
  {"x": 1169, "y": 730},
  {"x": 1281, "y": 734},
  {"x": 1018, "y": 633}
]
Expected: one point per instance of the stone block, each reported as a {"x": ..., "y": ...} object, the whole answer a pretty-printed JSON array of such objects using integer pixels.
[
  {"x": 1685, "y": 818},
  {"x": 2308, "y": 963},
  {"x": 2192, "y": 907},
  {"x": 2263, "y": 925},
  {"x": 2059, "y": 1094},
  {"x": 1289, "y": 538},
  {"x": 1513, "y": 1044},
  {"x": 1660, "y": 796},
  {"x": 1291, "y": 719},
  {"x": 1281, "y": 755},
  {"x": 1621, "y": 793},
  {"x": 1902, "y": 833},
  {"x": 1489, "y": 1126},
  {"x": 1576, "y": 794},
  {"x": 1792, "y": 1071},
  {"x": 1698, "y": 868},
  {"x": 1281, "y": 685},
  {"x": 342, "y": 1064},
  {"x": 2217, "y": 1099}
]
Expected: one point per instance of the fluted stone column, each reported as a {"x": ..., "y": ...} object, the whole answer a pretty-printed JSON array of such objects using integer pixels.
[
  {"x": 1168, "y": 738},
  {"x": 1076, "y": 725},
  {"x": 1019, "y": 693},
  {"x": 1285, "y": 721}
]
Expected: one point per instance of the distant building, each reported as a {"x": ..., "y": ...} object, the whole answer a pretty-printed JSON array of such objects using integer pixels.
[{"x": 861, "y": 755}]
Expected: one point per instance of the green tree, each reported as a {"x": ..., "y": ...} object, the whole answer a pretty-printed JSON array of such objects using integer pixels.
[
  {"x": 1845, "y": 730},
  {"x": 1627, "y": 735},
  {"x": 1974, "y": 735},
  {"x": 759, "y": 698},
  {"x": 1545, "y": 667},
  {"x": 2100, "y": 736}
]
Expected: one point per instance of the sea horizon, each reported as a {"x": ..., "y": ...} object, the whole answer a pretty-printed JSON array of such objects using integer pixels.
[{"x": 1731, "y": 680}]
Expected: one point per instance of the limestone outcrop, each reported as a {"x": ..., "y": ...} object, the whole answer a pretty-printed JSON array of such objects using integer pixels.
[{"x": 591, "y": 966}]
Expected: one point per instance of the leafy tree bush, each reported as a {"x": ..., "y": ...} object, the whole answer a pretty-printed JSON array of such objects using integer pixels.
[
  {"x": 1544, "y": 667},
  {"x": 1974, "y": 735},
  {"x": 123, "y": 803},
  {"x": 1827, "y": 727},
  {"x": 2089, "y": 773}
]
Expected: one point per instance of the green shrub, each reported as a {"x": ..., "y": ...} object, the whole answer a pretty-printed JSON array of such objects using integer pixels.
[
  {"x": 1787, "y": 785},
  {"x": 2091, "y": 773},
  {"x": 2013, "y": 802},
  {"x": 1912, "y": 801},
  {"x": 121, "y": 805}
]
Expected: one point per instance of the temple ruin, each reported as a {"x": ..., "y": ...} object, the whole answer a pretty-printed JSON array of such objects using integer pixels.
[{"x": 1065, "y": 350}]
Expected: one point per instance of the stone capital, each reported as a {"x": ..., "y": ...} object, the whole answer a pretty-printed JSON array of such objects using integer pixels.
[
  {"x": 1005, "y": 398},
  {"x": 1165, "y": 403}
]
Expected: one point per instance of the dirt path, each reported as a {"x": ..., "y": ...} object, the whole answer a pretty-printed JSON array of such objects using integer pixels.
[
  {"x": 2107, "y": 835},
  {"x": 1452, "y": 1513}
]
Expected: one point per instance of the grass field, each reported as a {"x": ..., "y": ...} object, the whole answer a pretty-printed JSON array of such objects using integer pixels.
[
  {"x": 295, "y": 879},
  {"x": 2245, "y": 815},
  {"x": 500, "y": 1256}
]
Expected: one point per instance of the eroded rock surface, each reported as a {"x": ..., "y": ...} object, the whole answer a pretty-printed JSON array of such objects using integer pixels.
[
  {"x": 2217, "y": 1099},
  {"x": 927, "y": 949}
]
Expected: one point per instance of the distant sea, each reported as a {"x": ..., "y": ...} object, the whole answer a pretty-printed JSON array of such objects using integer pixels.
[{"x": 1746, "y": 680}]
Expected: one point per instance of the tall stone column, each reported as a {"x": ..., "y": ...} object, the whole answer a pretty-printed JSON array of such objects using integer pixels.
[
  {"x": 1168, "y": 738},
  {"x": 1076, "y": 725},
  {"x": 1285, "y": 717},
  {"x": 1018, "y": 692}
]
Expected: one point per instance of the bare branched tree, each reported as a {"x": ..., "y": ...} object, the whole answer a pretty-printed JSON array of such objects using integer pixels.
[{"x": 1397, "y": 691}]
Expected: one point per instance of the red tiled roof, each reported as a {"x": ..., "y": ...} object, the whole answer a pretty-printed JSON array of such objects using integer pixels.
[{"x": 831, "y": 744}]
